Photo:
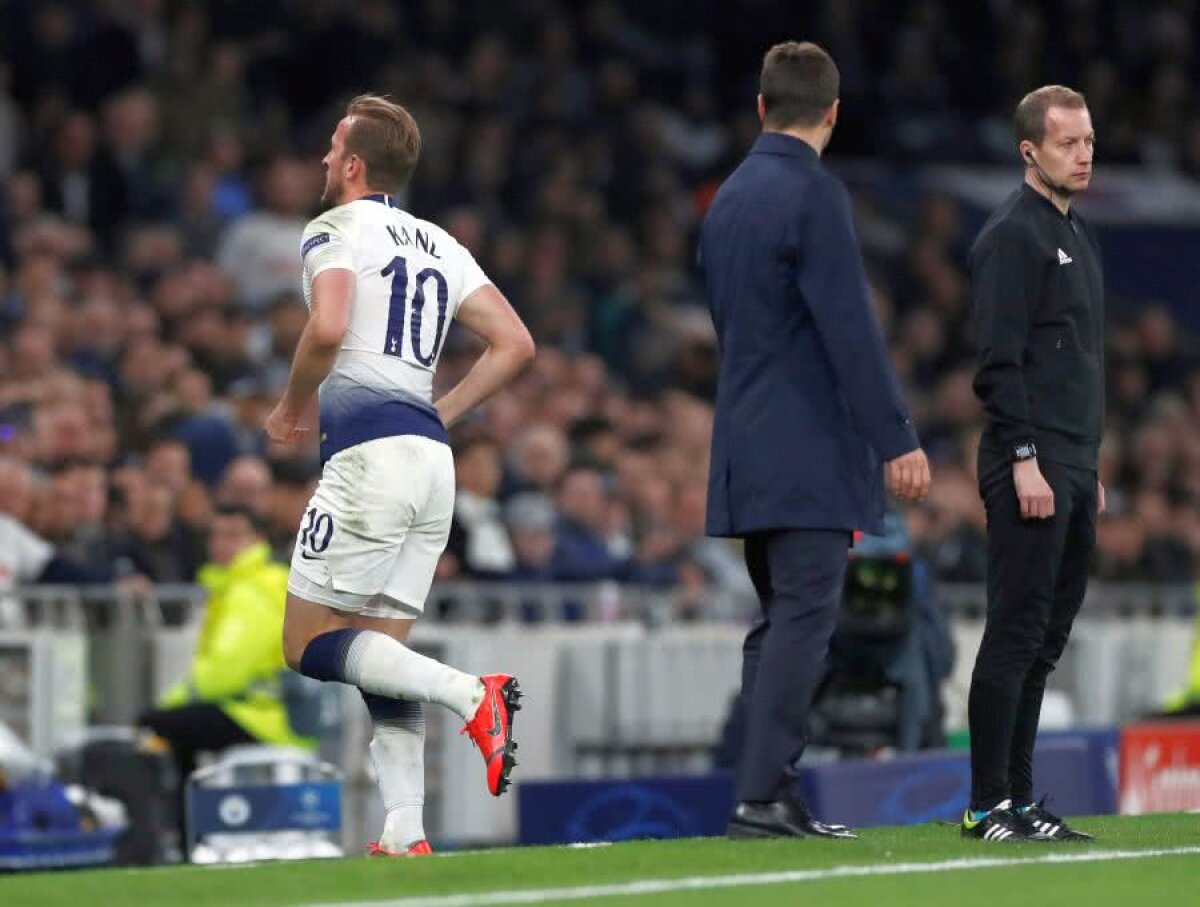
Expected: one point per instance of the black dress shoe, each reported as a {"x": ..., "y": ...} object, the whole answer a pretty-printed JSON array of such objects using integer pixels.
[{"x": 780, "y": 819}]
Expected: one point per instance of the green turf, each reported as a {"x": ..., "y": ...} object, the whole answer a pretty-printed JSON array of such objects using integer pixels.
[{"x": 1171, "y": 880}]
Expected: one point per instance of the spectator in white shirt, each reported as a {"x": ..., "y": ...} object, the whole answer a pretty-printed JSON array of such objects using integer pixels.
[
  {"x": 261, "y": 251},
  {"x": 478, "y": 538}
]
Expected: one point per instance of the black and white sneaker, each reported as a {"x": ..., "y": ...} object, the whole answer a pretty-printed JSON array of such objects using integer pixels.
[
  {"x": 1001, "y": 824},
  {"x": 1049, "y": 827}
]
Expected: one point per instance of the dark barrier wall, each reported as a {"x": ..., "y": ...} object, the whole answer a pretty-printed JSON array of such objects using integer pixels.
[{"x": 1079, "y": 768}]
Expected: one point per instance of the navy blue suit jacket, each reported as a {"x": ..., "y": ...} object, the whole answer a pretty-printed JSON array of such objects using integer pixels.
[{"x": 808, "y": 405}]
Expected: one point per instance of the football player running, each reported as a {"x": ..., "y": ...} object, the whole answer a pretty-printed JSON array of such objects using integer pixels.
[{"x": 382, "y": 287}]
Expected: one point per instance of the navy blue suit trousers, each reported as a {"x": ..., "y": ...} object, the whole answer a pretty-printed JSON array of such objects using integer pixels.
[{"x": 798, "y": 575}]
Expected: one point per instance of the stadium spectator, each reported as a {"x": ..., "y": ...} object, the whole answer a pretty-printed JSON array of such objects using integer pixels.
[
  {"x": 260, "y": 250},
  {"x": 294, "y": 481},
  {"x": 27, "y": 559},
  {"x": 710, "y": 568},
  {"x": 246, "y": 482},
  {"x": 478, "y": 540},
  {"x": 232, "y": 691},
  {"x": 1185, "y": 702},
  {"x": 539, "y": 457},
  {"x": 169, "y": 462},
  {"x": 531, "y": 519},
  {"x": 131, "y": 133},
  {"x": 157, "y": 544},
  {"x": 78, "y": 498},
  {"x": 581, "y": 545},
  {"x": 17, "y": 488},
  {"x": 80, "y": 181},
  {"x": 190, "y": 414}
]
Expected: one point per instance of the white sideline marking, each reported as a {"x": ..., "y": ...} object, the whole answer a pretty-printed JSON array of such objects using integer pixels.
[{"x": 698, "y": 883}]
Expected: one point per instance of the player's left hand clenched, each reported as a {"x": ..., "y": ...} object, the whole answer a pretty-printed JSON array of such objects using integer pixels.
[{"x": 283, "y": 425}]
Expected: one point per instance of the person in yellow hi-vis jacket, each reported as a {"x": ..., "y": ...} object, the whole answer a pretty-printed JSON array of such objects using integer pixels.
[
  {"x": 1185, "y": 702},
  {"x": 233, "y": 692}
]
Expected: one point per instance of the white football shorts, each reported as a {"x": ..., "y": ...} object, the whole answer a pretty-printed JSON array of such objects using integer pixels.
[{"x": 377, "y": 524}]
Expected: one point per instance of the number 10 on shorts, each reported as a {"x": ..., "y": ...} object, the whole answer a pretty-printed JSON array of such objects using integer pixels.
[{"x": 316, "y": 532}]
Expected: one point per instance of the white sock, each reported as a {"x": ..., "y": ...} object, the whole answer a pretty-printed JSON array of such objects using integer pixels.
[
  {"x": 398, "y": 753},
  {"x": 384, "y": 666}
]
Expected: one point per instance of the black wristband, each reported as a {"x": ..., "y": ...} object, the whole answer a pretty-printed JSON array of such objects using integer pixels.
[{"x": 1023, "y": 450}]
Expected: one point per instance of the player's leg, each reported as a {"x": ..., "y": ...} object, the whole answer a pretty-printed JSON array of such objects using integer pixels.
[
  {"x": 355, "y": 528},
  {"x": 1068, "y": 597},
  {"x": 398, "y": 754},
  {"x": 370, "y": 653},
  {"x": 1023, "y": 559},
  {"x": 325, "y": 642},
  {"x": 489, "y": 715},
  {"x": 393, "y": 695}
]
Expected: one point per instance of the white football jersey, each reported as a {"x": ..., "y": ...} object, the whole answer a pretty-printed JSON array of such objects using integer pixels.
[{"x": 411, "y": 277}]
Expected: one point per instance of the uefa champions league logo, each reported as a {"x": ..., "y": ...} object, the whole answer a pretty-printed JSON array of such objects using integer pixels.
[
  {"x": 628, "y": 812},
  {"x": 309, "y": 809},
  {"x": 234, "y": 810}
]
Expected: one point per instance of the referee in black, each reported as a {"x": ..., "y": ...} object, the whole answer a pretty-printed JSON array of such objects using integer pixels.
[{"x": 1039, "y": 307}]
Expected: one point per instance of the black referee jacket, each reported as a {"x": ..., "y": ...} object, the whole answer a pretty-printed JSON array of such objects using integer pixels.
[{"x": 1038, "y": 295}]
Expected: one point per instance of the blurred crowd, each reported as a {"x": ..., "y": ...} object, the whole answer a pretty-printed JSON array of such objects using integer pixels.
[{"x": 159, "y": 161}]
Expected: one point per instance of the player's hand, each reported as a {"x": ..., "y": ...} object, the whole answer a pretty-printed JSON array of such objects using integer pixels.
[
  {"x": 907, "y": 476},
  {"x": 1101, "y": 501},
  {"x": 1033, "y": 491},
  {"x": 283, "y": 426}
]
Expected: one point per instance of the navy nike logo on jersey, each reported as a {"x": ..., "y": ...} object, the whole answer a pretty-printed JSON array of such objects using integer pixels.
[{"x": 310, "y": 557}]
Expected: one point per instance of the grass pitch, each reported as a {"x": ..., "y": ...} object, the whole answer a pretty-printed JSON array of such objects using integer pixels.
[{"x": 921, "y": 865}]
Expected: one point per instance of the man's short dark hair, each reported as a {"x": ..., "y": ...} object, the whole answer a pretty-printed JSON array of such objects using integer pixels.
[
  {"x": 256, "y": 522},
  {"x": 1029, "y": 122},
  {"x": 799, "y": 82}
]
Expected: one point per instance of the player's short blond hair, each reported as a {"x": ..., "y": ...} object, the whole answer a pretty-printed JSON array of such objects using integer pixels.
[{"x": 385, "y": 136}]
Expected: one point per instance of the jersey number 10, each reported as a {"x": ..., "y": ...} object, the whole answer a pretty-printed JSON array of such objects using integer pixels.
[{"x": 394, "y": 343}]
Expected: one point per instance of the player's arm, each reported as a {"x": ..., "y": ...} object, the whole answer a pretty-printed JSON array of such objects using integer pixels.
[
  {"x": 488, "y": 315},
  {"x": 317, "y": 350}
]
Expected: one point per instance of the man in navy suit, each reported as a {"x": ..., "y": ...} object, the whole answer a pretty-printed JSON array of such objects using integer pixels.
[{"x": 809, "y": 417}]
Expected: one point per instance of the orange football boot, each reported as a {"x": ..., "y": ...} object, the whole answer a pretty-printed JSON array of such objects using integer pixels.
[
  {"x": 420, "y": 849},
  {"x": 491, "y": 728}
]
